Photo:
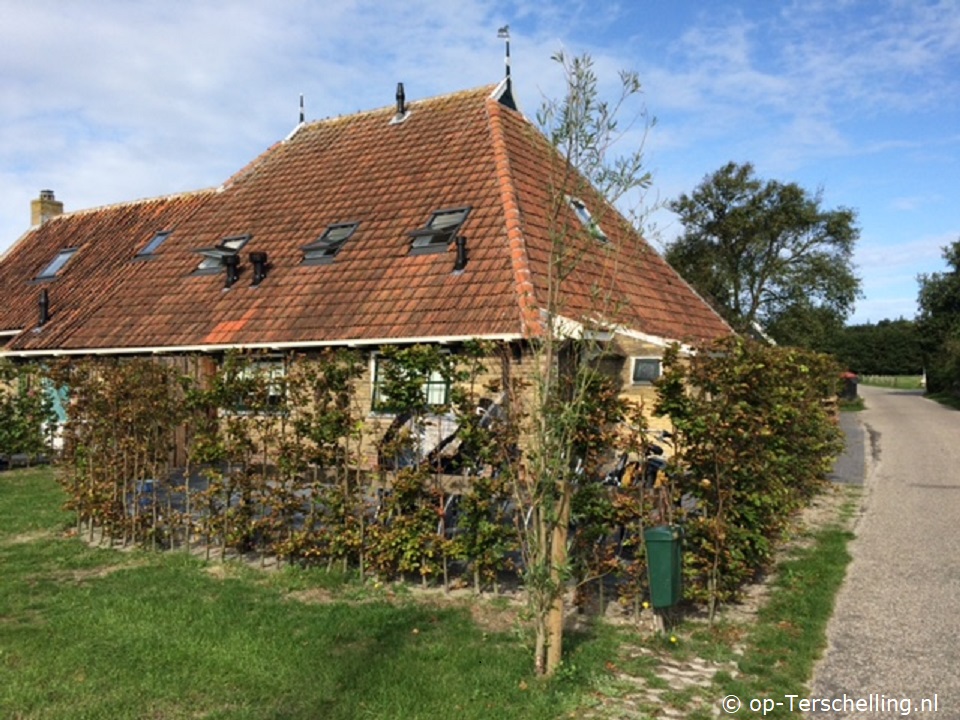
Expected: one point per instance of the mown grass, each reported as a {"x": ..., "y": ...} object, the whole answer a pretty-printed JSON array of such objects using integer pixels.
[
  {"x": 97, "y": 633},
  {"x": 899, "y": 382}
]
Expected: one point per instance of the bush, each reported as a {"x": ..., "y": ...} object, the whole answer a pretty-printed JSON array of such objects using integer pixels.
[{"x": 755, "y": 437}]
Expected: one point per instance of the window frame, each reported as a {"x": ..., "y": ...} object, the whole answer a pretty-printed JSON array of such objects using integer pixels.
[
  {"x": 323, "y": 250},
  {"x": 586, "y": 219},
  {"x": 276, "y": 368},
  {"x": 637, "y": 361},
  {"x": 149, "y": 250},
  {"x": 215, "y": 255},
  {"x": 52, "y": 269},
  {"x": 379, "y": 406},
  {"x": 432, "y": 238}
]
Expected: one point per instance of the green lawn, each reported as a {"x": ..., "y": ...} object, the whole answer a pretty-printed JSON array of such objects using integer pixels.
[
  {"x": 899, "y": 382},
  {"x": 96, "y": 633}
]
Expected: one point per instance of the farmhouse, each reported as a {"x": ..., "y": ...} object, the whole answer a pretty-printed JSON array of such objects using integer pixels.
[{"x": 434, "y": 221}]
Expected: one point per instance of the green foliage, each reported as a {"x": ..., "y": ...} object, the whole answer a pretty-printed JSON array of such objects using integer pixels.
[
  {"x": 26, "y": 410},
  {"x": 939, "y": 323},
  {"x": 766, "y": 252},
  {"x": 890, "y": 347},
  {"x": 755, "y": 440}
]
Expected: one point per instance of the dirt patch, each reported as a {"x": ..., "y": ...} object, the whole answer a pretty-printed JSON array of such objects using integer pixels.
[
  {"x": 87, "y": 574},
  {"x": 28, "y": 537}
]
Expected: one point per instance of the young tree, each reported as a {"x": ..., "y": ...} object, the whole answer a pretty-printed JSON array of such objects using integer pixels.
[
  {"x": 766, "y": 253},
  {"x": 565, "y": 421}
]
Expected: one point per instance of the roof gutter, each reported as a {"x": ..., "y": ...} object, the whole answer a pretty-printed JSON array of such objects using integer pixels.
[{"x": 275, "y": 346}]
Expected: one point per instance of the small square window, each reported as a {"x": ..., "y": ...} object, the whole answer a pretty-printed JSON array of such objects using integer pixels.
[
  {"x": 213, "y": 257},
  {"x": 56, "y": 265},
  {"x": 440, "y": 230},
  {"x": 645, "y": 370},
  {"x": 322, "y": 250},
  {"x": 584, "y": 216}
]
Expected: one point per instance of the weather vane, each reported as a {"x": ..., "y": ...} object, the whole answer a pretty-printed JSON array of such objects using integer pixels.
[{"x": 504, "y": 33}]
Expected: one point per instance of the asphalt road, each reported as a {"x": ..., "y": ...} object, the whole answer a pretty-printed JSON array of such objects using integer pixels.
[{"x": 895, "y": 632}]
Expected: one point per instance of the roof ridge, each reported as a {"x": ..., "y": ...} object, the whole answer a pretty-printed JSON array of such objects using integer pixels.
[
  {"x": 132, "y": 203},
  {"x": 530, "y": 320},
  {"x": 481, "y": 90}
]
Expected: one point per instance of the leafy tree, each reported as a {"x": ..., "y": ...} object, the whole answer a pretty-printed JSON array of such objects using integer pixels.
[
  {"x": 767, "y": 253},
  {"x": 939, "y": 323}
]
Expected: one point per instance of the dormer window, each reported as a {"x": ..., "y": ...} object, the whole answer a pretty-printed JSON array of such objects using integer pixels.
[
  {"x": 213, "y": 256},
  {"x": 155, "y": 242},
  {"x": 440, "y": 230},
  {"x": 584, "y": 216},
  {"x": 56, "y": 265},
  {"x": 322, "y": 250}
]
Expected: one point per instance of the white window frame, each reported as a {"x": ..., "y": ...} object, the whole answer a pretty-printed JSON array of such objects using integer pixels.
[{"x": 435, "y": 381}]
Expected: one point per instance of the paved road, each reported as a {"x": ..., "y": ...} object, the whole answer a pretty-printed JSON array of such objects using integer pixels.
[{"x": 895, "y": 632}]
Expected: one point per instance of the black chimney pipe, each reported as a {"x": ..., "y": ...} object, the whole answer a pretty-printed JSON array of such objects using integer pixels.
[
  {"x": 461, "y": 261},
  {"x": 401, "y": 100},
  {"x": 259, "y": 262},
  {"x": 232, "y": 263},
  {"x": 44, "y": 307}
]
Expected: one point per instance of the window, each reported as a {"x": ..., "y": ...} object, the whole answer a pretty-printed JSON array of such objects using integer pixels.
[
  {"x": 213, "y": 257},
  {"x": 258, "y": 386},
  {"x": 439, "y": 231},
  {"x": 322, "y": 250},
  {"x": 56, "y": 265},
  {"x": 436, "y": 389},
  {"x": 584, "y": 216},
  {"x": 151, "y": 247},
  {"x": 645, "y": 370}
]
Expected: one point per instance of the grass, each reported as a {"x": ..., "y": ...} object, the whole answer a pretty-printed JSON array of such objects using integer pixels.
[
  {"x": 773, "y": 655},
  {"x": 96, "y": 633},
  {"x": 899, "y": 382}
]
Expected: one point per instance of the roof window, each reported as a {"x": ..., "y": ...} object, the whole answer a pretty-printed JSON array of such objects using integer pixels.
[
  {"x": 151, "y": 247},
  {"x": 439, "y": 231},
  {"x": 56, "y": 265},
  {"x": 213, "y": 256},
  {"x": 584, "y": 216},
  {"x": 322, "y": 250}
]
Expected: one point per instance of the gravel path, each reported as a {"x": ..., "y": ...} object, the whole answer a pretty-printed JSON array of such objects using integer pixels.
[{"x": 895, "y": 634}]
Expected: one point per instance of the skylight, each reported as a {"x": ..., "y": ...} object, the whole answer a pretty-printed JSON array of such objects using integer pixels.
[
  {"x": 584, "y": 216},
  {"x": 56, "y": 265},
  {"x": 322, "y": 250},
  {"x": 213, "y": 257},
  {"x": 151, "y": 247},
  {"x": 440, "y": 230}
]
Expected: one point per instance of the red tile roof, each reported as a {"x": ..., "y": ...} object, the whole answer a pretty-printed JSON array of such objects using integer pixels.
[{"x": 460, "y": 150}]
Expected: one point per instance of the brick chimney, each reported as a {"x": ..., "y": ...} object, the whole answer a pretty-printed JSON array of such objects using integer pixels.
[{"x": 44, "y": 208}]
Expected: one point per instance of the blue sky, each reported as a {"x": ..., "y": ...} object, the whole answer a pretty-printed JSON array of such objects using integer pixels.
[{"x": 116, "y": 100}]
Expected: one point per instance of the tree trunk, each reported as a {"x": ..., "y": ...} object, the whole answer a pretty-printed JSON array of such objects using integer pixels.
[{"x": 558, "y": 560}]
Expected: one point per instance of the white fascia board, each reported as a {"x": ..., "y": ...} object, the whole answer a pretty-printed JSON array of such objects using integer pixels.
[
  {"x": 569, "y": 328},
  {"x": 10, "y": 333},
  {"x": 223, "y": 347}
]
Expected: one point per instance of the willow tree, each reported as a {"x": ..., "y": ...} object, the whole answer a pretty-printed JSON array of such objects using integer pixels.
[{"x": 567, "y": 421}]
